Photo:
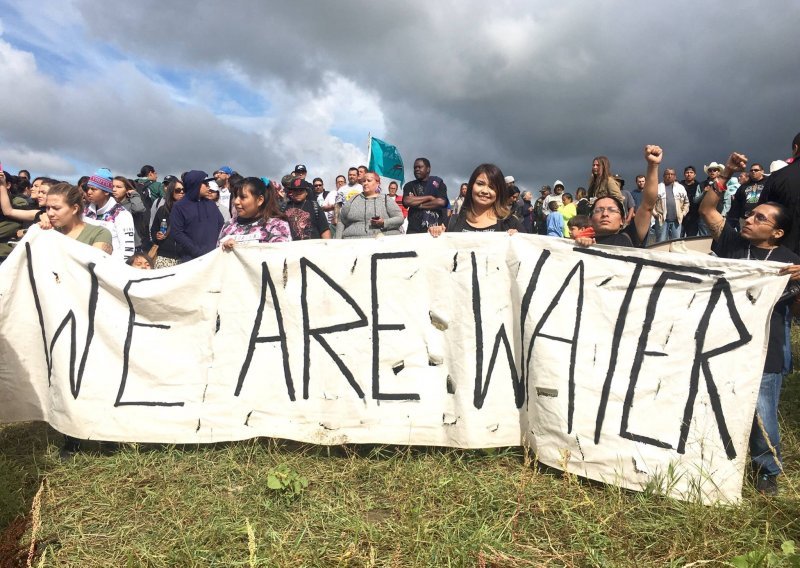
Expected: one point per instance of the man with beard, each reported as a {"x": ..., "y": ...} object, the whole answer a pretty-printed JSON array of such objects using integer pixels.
[
  {"x": 425, "y": 197},
  {"x": 689, "y": 183},
  {"x": 222, "y": 177}
]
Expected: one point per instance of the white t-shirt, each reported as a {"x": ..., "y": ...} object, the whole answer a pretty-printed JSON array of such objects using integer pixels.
[{"x": 329, "y": 200}]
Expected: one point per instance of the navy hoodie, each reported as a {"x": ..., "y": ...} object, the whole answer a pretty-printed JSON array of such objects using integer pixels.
[{"x": 195, "y": 222}]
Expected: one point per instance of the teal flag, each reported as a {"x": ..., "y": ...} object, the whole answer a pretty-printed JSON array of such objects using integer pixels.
[{"x": 385, "y": 160}]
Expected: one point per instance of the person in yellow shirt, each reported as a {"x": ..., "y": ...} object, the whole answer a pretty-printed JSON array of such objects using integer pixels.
[{"x": 567, "y": 210}]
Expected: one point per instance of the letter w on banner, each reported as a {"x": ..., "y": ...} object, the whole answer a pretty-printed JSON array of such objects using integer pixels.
[{"x": 629, "y": 367}]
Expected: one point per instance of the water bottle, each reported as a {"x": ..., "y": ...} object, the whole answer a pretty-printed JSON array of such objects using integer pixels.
[{"x": 163, "y": 228}]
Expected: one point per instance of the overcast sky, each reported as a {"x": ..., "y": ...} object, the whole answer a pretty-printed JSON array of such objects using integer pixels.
[{"x": 538, "y": 88}]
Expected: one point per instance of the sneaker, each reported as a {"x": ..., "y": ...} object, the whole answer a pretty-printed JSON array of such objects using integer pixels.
[{"x": 767, "y": 484}]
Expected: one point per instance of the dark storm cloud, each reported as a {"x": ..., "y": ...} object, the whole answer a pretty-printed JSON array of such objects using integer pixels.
[{"x": 538, "y": 88}]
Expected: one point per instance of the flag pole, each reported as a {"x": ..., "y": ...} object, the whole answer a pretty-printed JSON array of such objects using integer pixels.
[{"x": 369, "y": 148}]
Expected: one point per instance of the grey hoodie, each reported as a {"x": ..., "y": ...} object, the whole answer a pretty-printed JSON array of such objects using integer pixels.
[{"x": 354, "y": 218}]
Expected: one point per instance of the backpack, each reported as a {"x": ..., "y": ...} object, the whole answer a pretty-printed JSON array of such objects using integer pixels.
[
  {"x": 143, "y": 189},
  {"x": 141, "y": 221}
]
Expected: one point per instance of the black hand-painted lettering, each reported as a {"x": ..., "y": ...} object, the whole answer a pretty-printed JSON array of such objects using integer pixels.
[
  {"x": 481, "y": 387},
  {"x": 377, "y": 327},
  {"x": 318, "y": 332},
  {"x": 69, "y": 319},
  {"x": 638, "y": 359},
  {"x": 126, "y": 352},
  {"x": 524, "y": 309},
  {"x": 619, "y": 327},
  {"x": 702, "y": 361},
  {"x": 578, "y": 270},
  {"x": 267, "y": 284},
  {"x": 650, "y": 262}
]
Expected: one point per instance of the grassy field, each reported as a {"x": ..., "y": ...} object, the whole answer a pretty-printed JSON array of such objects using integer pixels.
[{"x": 384, "y": 506}]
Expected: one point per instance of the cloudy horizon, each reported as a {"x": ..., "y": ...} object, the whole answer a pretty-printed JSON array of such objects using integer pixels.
[{"x": 537, "y": 88}]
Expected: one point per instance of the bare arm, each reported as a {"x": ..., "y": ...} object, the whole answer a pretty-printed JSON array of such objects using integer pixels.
[
  {"x": 105, "y": 247},
  {"x": 8, "y": 208},
  {"x": 644, "y": 212},
  {"x": 713, "y": 195}
]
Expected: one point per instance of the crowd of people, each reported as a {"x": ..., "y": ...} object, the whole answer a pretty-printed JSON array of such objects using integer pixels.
[{"x": 156, "y": 224}]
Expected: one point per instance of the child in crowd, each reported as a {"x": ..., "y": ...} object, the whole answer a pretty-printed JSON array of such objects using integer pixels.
[
  {"x": 580, "y": 226},
  {"x": 140, "y": 260},
  {"x": 555, "y": 220}
]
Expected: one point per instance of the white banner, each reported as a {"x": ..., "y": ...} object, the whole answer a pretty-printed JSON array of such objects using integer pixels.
[{"x": 625, "y": 366}]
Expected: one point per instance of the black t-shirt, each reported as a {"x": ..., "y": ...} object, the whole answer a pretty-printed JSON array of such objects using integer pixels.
[
  {"x": 627, "y": 237},
  {"x": 306, "y": 220},
  {"x": 732, "y": 245},
  {"x": 459, "y": 224},
  {"x": 746, "y": 198},
  {"x": 420, "y": 219}
]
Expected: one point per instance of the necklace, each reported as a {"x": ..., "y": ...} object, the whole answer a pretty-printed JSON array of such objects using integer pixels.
[{"x": 765, "y": 258}]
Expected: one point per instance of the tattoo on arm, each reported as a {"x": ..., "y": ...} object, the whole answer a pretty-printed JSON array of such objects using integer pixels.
[
  {"x": 715, "y": 227},
  {"x": 105, "y": 247}
]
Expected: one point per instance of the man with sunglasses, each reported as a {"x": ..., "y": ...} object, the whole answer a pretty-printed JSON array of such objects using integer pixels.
[
  {"x": 765, "y": 226},
  {"x": 608, "y": 213},
  {"x": 746, "y": 197}
]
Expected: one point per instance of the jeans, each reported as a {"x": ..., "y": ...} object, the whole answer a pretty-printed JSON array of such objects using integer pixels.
[
  {"x": 667, "y": 230},
  {"x": 763, "y": 459}
]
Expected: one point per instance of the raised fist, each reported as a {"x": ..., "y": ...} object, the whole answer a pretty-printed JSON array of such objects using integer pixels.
[
  {"x": 653, "y": 154},
  {"x": 736, "y": 162}
]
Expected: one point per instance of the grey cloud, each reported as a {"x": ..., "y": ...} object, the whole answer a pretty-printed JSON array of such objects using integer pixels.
[{"x": 538, "y": 88}]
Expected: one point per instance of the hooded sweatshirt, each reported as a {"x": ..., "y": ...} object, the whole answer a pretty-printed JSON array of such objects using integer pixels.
[
  {"x": 195, "y": 222},
  {"x": 119, "y": 222}
]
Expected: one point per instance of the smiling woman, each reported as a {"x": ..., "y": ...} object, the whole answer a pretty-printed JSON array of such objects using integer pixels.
[{"x": 485, "y": 207}]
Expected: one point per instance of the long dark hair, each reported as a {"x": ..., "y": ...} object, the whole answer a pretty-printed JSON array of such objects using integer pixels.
[
  {"x": 169, "y": 199},
  {"x": 269, "y": 208},
  {"x": 497, "y": 182},
  {"x": 599, "y": 181},
  {"x": 783, "y": 220}
]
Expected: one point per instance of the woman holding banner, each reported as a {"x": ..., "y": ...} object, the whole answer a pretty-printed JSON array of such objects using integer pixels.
[
  {"x": 65, "y": 215},
  {"x": 485, "y": 208},
  {"x": 258, "y": 218}
]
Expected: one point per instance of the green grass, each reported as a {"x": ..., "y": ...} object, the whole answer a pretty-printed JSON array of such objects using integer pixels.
[{"x": 385, "y": 506}]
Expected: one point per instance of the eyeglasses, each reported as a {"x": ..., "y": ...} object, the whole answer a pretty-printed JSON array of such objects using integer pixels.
[
  {"x": 756, "y": 170},
  {"x": 601, "y": 210},
  {"x": 317, "y": 185},
  {"x": 179, "y": 190},
  {"x": 760, "y": 218}
]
